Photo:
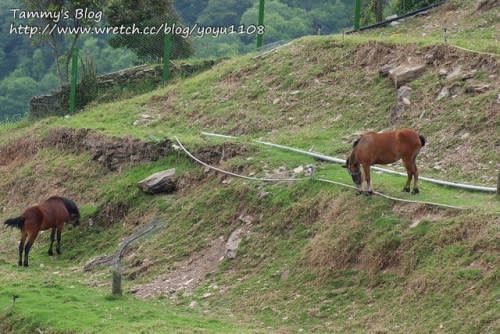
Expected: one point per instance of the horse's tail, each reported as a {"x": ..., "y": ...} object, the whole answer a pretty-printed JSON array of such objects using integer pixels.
[
  {"x": 422, "y": 140},
  {"x": 15, "y": 222}
]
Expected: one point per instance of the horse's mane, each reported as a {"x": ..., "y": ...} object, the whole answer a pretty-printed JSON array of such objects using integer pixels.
[
  {"x": 69, "y": 204},
  {"x": 361, "y": 133}
]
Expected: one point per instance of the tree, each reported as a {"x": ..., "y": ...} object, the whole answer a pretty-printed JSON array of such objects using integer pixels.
[
  {"x": 61, "y": 44},
  {"x": 331, "y": 16},
  {"x": 224, "y": 12},
  {"x": 405, "y": 6},
  {"x": 146, "y": 13},
  {"x": 189, "y": 10},
  {"x": 281, "y": 22}
]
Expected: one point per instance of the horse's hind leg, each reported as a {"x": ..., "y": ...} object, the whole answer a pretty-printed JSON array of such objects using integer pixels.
[
  {"x": 27, "y": 247},
  {"x": 21, "y": 247},
  {"x": 52, "y": 238},
  {"x": 409, "y": 172},
  {"x": 415, "y": 179}
]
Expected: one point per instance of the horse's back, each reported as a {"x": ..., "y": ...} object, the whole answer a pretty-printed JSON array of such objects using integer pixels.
[
  {"x": 55, "y": 213},
  {"x": 387, "y": 147}
]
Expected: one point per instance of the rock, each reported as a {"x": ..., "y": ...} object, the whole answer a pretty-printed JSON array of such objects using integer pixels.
[
  {"x": 442, "y": 73},
  {"x": 232, "y": 243},
  {"x": 455, "y": 73},
  {"x": 404, "y": 92},
  {"x": 159, "y": 182},
  {"x": 445, "y": 92},
  {"x": 402, "y": 100},
  {"x": 385, "y": 69},
  {"x": 298, "y": 170},
  {"x": 406, "y": 73},
  {"x": 309, "y": 171},
  {"x": 247, "y": 219},
  {"x": 468, "y": 75},
  {"x": 477, "y": 88}
]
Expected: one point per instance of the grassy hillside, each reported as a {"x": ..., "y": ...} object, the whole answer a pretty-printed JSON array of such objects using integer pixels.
[{"x": 313, "y": 256}]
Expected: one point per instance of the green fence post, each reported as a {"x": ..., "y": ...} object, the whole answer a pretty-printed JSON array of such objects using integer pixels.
[
  {"x": 261, "y": 22},
  {"x": 357, "y": 14},
  {"x": 167, "y": 46},
  {"x": 74, "y": 74}
]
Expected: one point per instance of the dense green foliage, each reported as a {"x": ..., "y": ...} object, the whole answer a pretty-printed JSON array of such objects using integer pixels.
[{"x": 148, "y": 14}]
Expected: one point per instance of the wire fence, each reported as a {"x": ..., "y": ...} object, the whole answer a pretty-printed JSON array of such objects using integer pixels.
[{"x": 126, "y": 51}]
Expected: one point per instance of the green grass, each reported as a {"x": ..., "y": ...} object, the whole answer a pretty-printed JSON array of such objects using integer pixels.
[
  {"x": 316, "y": 258},
  {"x": 53, "y": 301}
]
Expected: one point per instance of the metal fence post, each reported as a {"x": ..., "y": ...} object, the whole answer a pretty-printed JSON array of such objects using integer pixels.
[
  {"x": 74, "y": 74},
  {"x": 260, "y": 22},
  {"x": 357, "y": 14},
  {"x": 167, "y": 46},
  {"x": 498, "y": 186},
  {"x": 116, "y": 288}
]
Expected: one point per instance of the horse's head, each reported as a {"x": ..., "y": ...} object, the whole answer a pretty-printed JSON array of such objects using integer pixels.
[
  {"x": 74, "y": 219},
  {"x": 354, "y": 170}
]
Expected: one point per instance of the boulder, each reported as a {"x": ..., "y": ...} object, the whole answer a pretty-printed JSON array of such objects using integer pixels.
[
  {"x": 406, "y": 73},
  {"x": 160, "y": 182}
]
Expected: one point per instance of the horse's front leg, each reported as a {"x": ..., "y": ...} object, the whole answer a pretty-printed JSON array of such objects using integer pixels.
[
  {"x": 366, "y": 169},
  {"x": 58, "y": 245},
  {"x": 52, "y": 238}
]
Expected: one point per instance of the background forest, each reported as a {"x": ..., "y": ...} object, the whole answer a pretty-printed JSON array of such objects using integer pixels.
[{"x": 31, "y": 66}]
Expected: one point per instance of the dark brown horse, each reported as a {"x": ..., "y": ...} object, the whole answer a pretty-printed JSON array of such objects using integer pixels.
[
  {"x": 385, "y": 148},
  {"x": 52, "y": 213}
]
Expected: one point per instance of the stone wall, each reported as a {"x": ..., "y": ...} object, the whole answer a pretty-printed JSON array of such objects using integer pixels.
[{"x": 56, "y": 103}]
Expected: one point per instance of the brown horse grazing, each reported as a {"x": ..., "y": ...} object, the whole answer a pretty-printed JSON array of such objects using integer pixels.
[
  {"x": 385, "y": 148},
  {"x": 52, "y": 213}
]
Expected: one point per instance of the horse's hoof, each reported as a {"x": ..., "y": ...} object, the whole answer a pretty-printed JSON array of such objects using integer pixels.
[
  {"x": 415, "y": 191},
  {"x": 51, "y": 253},
  {"x": 369, "y": 193},
  {"x": 20, "y": 264},
  {"x": 25, "y": 264},
  {"x": 358, "y": 192},
  {"x": 58, "y": 251},
  {"x": 406, "y": 190}
]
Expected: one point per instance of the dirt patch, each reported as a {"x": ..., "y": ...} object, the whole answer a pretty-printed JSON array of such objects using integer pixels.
[
  {"x": 110, "y": 151},
  {"x": 418, "y": 212},
  {"x": 109, "y": 214},
  {"x": 485, "y": 5},
  {"x": 215, "y": 154},
  {"x": 373, "y": 55},
  {"x": 19, "y": 149},
  {"x": 187, "y": 274}
]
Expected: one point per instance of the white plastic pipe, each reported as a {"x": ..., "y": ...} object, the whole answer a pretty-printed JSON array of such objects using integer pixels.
[{"x": 324, "y": 157}]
